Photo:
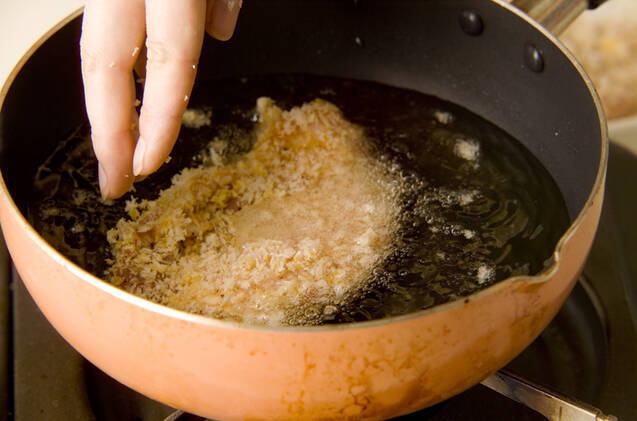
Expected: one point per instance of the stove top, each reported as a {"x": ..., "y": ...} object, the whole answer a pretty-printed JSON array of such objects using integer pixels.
[{"x": 587, "y": 352}]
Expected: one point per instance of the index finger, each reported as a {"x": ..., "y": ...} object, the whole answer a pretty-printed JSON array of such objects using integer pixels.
[{"x": 112, "y": 32}]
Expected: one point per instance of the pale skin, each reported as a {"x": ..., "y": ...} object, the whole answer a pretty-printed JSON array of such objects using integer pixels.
[{"x": 161, "y": 40}]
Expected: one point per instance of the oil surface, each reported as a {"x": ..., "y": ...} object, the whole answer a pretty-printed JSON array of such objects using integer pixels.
[{"x": 478, "y": 209}]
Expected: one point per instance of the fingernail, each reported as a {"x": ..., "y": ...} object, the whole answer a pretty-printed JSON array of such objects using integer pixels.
[
  {"x": 138, "y": 157},
  {"x": 103, "y": 180}
]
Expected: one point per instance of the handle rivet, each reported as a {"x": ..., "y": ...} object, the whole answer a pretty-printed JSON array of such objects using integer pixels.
[
  {"x": 471, "y": 23},
  {"x": 533, "y": 58}
]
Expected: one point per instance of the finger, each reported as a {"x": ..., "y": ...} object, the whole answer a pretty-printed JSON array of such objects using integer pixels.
[
  {"x": 112, "y": 33},
  {"x": 174, "y": 36},
  {"x": 221, "y": 18}
]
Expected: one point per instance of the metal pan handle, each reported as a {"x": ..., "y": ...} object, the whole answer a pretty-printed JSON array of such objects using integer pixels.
[
  {"x": 550, "y": 404},
  {"x": 555, "y": 15}
]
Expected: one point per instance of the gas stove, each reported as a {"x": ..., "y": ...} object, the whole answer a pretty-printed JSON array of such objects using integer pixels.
[{"x": 586, "y": 353}]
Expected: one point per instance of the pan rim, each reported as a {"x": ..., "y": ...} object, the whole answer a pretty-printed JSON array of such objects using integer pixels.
[{"x": 183, "y": 316}]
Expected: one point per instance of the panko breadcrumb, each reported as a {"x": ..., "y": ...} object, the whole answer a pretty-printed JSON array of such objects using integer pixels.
[
  {"x": 196, "y": 119},
  {"x": 278, "y": 237}
]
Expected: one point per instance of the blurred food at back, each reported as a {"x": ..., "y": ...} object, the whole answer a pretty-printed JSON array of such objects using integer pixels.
[{"x": 604, "y": 41}]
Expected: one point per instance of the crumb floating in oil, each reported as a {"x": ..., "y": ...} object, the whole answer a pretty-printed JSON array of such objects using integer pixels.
[{"x": 473, "y": 214}]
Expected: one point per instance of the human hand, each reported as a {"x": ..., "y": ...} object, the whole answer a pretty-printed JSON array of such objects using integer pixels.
[{"x": 114, "y": 33}]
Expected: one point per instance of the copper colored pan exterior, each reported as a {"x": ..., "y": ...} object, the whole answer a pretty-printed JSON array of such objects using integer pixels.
[{"x": 370, "y": 370}]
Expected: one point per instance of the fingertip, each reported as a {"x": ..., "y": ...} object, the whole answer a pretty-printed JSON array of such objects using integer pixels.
[
  {"x": 151, "y": 151},
  {"x": 220, "y": 36},
  {"x": 112, "y": 184},
  {"x": 222, "y": 18},
  {"x": 145, "y": 163}
]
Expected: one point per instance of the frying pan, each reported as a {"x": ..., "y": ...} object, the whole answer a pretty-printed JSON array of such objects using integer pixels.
[{"x": 487, "y": 56}]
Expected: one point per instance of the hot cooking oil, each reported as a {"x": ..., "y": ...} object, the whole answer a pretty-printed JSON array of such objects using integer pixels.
[{"x": 476, "y": 207}]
